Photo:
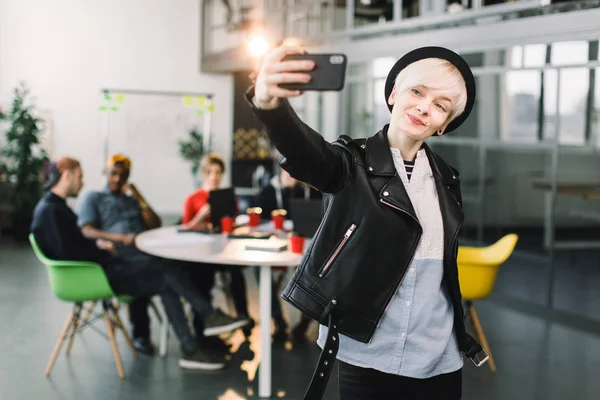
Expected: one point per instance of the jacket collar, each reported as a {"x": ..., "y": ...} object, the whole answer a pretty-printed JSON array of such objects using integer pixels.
[
  {"x": 377, "y": 154},
  {"x": 439, "y": 167},
  {"x": 379, "y": 159}
]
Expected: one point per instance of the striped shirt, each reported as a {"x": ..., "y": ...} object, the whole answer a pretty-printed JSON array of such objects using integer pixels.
[
  {"x": 409, "y": 165},
  {"x": 415, "y": 337}
]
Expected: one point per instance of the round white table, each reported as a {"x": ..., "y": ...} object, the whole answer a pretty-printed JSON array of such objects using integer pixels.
[{"x": 168, "y": 243}]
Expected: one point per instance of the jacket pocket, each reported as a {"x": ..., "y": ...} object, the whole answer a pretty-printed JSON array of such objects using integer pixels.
[{"x": 323, "y": 271}]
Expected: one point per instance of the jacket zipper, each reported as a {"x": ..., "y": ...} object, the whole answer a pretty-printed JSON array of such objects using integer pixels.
[
  {"x": 347, "y": 235},
  {"x": 406, "y": 269}
]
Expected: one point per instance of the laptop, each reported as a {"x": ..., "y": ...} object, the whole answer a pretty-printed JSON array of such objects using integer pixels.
[
  {"x": 222, "y": 203},
  {"x": 306, "y": 215}
]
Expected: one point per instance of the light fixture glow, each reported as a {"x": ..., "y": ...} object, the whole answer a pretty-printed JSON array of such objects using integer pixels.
[{"x": 258, "y": 46}]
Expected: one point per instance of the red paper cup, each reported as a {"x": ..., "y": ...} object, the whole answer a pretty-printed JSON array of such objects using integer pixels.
[
  {"x": 254, "y": 214},
  {"x": 297, "y": 244},
  {"x": 254, "y": 220},
  {"x": 226, "y": 224},
  {"x": 278, "y": 221}
]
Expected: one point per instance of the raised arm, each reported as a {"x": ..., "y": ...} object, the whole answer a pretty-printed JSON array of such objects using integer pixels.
[
  {"x": 305, "y": 154},
  {"x": 151, "y": 218}
]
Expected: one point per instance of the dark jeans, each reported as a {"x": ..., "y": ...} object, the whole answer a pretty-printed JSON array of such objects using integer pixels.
[
  {"x": 139, "y": 317},
  {"x": 367, "y": 384},
  {"x": 142, "y": 275},
  {"x": 203, "y": 278}
]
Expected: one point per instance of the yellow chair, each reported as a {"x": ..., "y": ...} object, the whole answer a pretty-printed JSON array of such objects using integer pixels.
[{"x": 477, "y": 271}]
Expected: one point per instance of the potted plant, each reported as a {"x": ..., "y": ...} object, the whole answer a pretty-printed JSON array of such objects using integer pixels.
[
  {"x": 193, "y": 150},
  {"x": 22, "y": 160}
]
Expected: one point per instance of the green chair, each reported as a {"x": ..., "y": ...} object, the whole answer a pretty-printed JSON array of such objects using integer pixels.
[{"x": 79, "y": 282}]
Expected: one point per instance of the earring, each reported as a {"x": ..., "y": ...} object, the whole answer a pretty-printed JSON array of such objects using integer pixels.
[{"x": 440, "y": 132}]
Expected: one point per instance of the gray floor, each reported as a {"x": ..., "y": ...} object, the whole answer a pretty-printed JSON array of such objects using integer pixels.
[{"x": 536, "y": 358}]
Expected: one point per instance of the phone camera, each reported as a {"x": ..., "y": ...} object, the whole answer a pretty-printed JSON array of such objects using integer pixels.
[{"x": 336, "y": 59}]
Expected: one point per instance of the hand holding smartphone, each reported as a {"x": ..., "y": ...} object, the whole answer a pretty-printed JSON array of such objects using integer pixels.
[
  {"x": 329, "y": 72},
  {"x": 288, "y": 71}
]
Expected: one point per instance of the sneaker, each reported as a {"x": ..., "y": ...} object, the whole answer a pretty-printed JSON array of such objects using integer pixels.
[
  {"x": 202, "y": 359},
  {"x": 143, "y": 345},
  {"x": 216, "y": 344},
  {"x": 217, "y": 323}
]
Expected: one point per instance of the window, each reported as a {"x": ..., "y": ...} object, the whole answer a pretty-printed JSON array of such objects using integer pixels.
[
  {"x": 569, "y": 53},
  {"x": 358, "y": 113},
  {"x": 535, "y": 55},
  {"x": 382, "y": 66},
  {"x": 531, "y": 55},
  {"x": 381, "y": 115},
  {"x": 522, "y": 101}
]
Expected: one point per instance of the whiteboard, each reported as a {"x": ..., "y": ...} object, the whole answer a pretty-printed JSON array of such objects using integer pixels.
[{"x": 147, "y": 128}]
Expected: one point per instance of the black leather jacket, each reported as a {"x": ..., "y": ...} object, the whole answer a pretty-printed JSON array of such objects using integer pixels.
[{"x": 370, "y": 231}]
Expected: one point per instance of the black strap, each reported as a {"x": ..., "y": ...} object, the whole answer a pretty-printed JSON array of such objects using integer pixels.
[{"x": 318, "y": 383}]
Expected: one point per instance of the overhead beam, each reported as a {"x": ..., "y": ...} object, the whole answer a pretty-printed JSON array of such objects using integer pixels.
[{"x": 574, "y": 25}]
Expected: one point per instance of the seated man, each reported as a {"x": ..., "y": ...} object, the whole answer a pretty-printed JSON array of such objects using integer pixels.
[
  {"x": 55, "y": 228},
  {"x": 114, "y": 214}
]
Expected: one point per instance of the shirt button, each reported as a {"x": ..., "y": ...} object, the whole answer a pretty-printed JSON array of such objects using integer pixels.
[
  {"x": 403, "y": 334},
  {"x": 412, "y": 269},
  {"x": 408, "y": 303},
  {"x": 386, "y": 194}
]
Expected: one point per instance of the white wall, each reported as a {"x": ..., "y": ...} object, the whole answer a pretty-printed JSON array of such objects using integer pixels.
[{"x": 66, "y": 50}]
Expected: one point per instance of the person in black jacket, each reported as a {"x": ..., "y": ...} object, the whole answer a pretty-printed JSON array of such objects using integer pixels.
[
  {"x": 57, "y": 233},
  {"x": 381, "y": 271}
]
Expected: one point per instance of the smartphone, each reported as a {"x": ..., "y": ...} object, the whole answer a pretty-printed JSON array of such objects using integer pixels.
[{"x": 329, "y": 72}]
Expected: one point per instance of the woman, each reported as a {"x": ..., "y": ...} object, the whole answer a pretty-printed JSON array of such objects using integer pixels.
[
  {"x": 196, "y": 216},
  {"x": 381, "y": 271},
  {"x": 196, "y": 210}
]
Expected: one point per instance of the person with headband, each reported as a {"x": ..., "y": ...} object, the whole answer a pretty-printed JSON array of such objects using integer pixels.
[
  {"x": 380, "y": 274},
  {"x": 112, "y": 214}
]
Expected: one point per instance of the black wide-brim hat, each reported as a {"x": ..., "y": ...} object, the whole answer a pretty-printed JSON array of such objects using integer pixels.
[{"x": 445, "y": 54}]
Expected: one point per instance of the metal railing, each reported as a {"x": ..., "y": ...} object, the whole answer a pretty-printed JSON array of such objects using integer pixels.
[{"x": 326, "y": 21}]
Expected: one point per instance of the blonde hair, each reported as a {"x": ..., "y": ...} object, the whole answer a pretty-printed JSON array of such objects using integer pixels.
[
  {"x": 437, "y": 74},
  {"x": 211, "y": 159}
]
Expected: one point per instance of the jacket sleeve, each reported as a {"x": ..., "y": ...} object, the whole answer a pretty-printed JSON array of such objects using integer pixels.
[{"x": 304, "y": 153}]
